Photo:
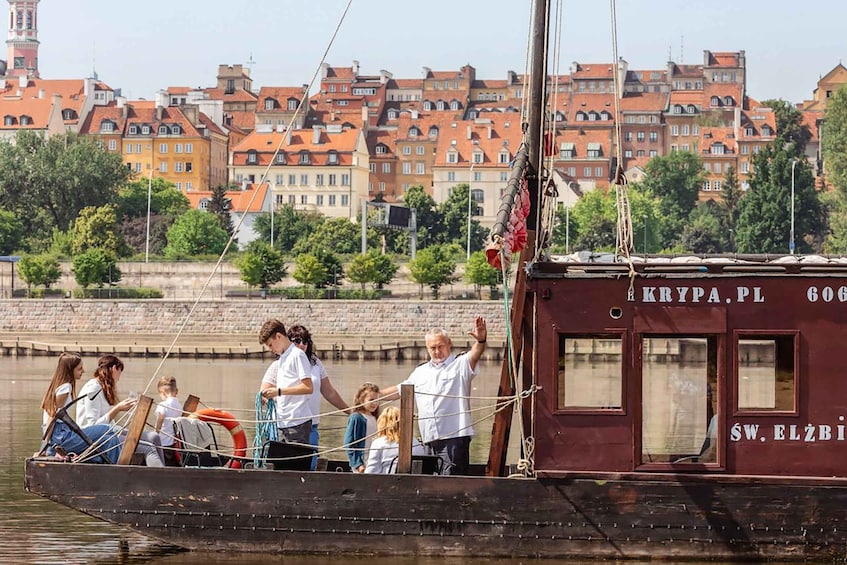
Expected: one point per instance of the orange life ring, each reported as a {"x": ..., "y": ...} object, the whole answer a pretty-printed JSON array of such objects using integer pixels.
[{"x": 228, "y": 421}]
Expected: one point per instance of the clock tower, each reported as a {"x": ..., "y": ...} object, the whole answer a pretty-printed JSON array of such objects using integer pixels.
[{"x": 22, "y": 42}]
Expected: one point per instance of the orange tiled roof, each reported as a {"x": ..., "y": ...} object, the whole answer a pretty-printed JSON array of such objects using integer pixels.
[
  {"x": 644, "y": 101},
  {"x": 265, "y": 145},
  {"x": 239, "y": 95},
  {"x": 724, "y": 59},
  {"x": 239, "y": 199},
  {"x": 505, "y": 132},
  {"x": 598, "y": 70},
  {"x": 686, "y": 97}
]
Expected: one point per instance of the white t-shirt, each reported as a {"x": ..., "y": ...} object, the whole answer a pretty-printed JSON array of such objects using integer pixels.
[
  {"x": 381, "y": 454},
  {"x": 318, "y": 374},
  {"x": 171, "y": 408},
  {"x": 90, "y": 412},
  {"x": 64, "y": 388},
  {"x": 291, "y": 409},
  {"x": 441, "y": 395}
]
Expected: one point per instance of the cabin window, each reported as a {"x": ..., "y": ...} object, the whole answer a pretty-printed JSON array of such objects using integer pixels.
[
  {"x": 679, "y": 399},
  {"x": 590, "y": 372},
  {"x": 765, "y": 373}
]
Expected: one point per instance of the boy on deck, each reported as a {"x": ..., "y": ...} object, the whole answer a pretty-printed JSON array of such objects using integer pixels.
[{"x": 169, "y": 408}]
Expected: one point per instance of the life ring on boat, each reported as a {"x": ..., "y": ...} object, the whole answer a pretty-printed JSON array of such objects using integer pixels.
[{"x": 227, "y": 420}]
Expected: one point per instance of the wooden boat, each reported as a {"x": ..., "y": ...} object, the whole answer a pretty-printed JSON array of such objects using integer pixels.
[{"x": 676, "y": 408}]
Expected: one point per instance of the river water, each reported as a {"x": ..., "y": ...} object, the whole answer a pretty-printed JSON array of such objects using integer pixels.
[{"x": 33, "y": 530}]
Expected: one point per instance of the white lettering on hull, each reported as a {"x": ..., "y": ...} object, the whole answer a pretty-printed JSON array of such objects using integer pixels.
[{"x": 699, "y": 295}]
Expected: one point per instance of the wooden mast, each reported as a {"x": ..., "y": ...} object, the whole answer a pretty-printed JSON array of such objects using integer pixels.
[{"x": 521, "y": 301}]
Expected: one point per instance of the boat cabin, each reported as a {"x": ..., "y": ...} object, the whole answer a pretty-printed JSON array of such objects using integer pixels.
[{"x": 729, "y": 366}]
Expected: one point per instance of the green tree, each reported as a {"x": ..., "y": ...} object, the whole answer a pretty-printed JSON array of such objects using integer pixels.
[
  {"x": 11, "y": 232},
  {"x": 261, "y": 265},
  {"x": 835, "y": 203},
  {"x": 309, "y": 270},
  {"x": 195, "y": 233},
  {"x": 433, "y": 267},
  {"x": 729, "y": 208},
  {"x": 675, "y": 180},
  {"x": 165, "y": 199},
  {"x": 134, "y": 232},
  {"x": 220, "y": 206},
  {"x": 703, "y": 233},
  {"x": 834, "y": 140},
  {"x": 594, "y": 219},
  {"x": 385, "y": 268},
  {"x": 790, "y": 128},
  {"x": 338, "y": 234},
  {"x": 289, "y": 226},
  {"x": 96, "y": 267},
  {"x": 46, "y": 182},
  {"x": 454, "y": 213},
  {"x": 371, "y": 267},
  {"x": 332, "y": 265},
  {"x": 39, "y": 270},
  {"x": 765, "y": 212},
  {"x": 98, "y": 228},
  {"x": 429, "y": 219},
  {"x": 479, "y": 273}
]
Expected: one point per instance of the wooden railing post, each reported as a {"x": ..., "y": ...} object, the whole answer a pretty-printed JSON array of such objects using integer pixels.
[
  {"x": 191, "y": 404},
  {"x": 407, "y": 411},
  {"x": 136, "y": 427}
]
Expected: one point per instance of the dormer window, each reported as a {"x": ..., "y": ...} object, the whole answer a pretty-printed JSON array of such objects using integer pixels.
[
  {"x": 163, "y": 130},
  {"x": 454, "y": 105},
  {"x": 472, "y": 115},
  {"x": 106, "y": 126},
  {"x": 176, "y": 130},
  {"x": 292, "y": 104},
  {"x": 304, "y": 158},
  {"x": 677, "y": 109},
  {"x": 592, "y": 116},
  {"x": 503, "y": 157},
  {"x": 280, "y": 158},
  {"x": 145, "y": 130},
  {"x": 728, "y": 101},
  {"x": 270, "y": 103},
  {"x": 133, "y": 130},
  {"x": 749, "y": 131},
  {"x": 580, "y": 116},
  {"x": 605, "y": 115},
  {"x": 414, "y": 131},
  {"x": 718, "y": 149},
  {"x": 692, "y": 109},
  {"x": 441, "y": 105},
  {"x": 428, "y": 106},
  {"x": 766, "y": 130},
  {"x": 392, "y": 114},
  {"x": 381, "y": 149},
  {"x": 452, "y": 156},
  {"x": 715, "y": 102},
  {"x": 594, "y": 151},
  {"x": 69, "y": 114},
  {"x": 332, "y": 157},
  {"x": 433, "y": 131},
  {"x": 566, "y": 151},
  {"x": 477, "y": 157},
  {"x": 8, "y": 120},
  {"x": 252, "y": 157},
  {"x": 559, "y": 117}
]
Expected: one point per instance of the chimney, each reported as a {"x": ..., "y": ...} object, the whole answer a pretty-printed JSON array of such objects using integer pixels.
[
  {"x": 41, "y": 93},
  {"x": 23, "y": 81},
  {"x": 159, "y": 113},
  {"x": 244, "y": 184},
  {"x": 120, "y": 101},
  {"x": 162, "y": 98},
  {"x": 355, "y": 68},
  {"x": 426, "y": 72},
  {"x": 490, "y": 130},
  {"x": 316, "y": 135},
  {"x": 470, "y": 134}
]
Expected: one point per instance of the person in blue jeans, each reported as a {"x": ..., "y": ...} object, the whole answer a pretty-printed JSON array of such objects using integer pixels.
[{"x": 60, "y": 394}]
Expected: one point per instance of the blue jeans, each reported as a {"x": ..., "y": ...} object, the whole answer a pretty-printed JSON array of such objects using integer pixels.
[
  {"x": 315, "y": 439},
  {"x": 108, "y": 442}
]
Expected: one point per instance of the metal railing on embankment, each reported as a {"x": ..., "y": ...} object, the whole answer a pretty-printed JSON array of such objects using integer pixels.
[{"x": 340, "y": 349}]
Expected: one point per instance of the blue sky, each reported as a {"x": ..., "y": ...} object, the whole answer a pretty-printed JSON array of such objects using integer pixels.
[{"x": 145, "y": 46}]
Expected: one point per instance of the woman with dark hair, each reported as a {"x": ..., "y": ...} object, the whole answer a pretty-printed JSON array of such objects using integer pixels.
[
  {"x": 101, "y": 406},
  {"x": 322, "y": 386},
  {"x": 60, "y": 394}
]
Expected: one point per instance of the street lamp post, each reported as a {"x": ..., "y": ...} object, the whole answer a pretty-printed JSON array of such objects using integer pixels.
[
  {"x": 470, "y": 175},
  {"x": 791, "y": 233}
]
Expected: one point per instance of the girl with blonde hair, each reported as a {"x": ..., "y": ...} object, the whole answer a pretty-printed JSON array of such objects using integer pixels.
[{"x": 385, "y": 448}]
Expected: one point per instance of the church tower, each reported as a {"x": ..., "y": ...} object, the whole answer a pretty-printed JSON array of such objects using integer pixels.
[{"x": 22, "y": 43}]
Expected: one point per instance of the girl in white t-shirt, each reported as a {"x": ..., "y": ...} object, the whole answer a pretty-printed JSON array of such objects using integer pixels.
[
  {"x": 385, "y": 448},
  {"x": 169, "y": 408}
]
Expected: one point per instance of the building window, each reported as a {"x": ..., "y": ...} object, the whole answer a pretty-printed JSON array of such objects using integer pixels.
[
  {"x": 280, "y": 158},
  {"x": 304, "y": 199},
  {"x": 503, "y": 157},
  {"x": 452, "y": 157},
  {"x": 717, "y": 185},
  {"x": 291, "y": 199},
  {"x": 163, "y": 167},
  {"x": 477, "y": 157},
  {"x": 381, "y": 150},
  {"x": 407, "y": 168},
  {"x": 451, "y": 176},
  {"x": 586, "y": 171},
  {"x": 188, "y": 167},
  {"x": 640, "y": 136},
  {"x": 304, "y": 180},
  {"x": 189, "y": 147},
  {"x": 332, "y": 157},
  {"x": 627, "y": 136},
  {"x": 598, "y": 171},
  {"x": 178, "y": 148},
  {"x": 252, "y": 157},
  {"x": 653, "y": 153},
  {"x": 304, "y": 158},
  {"x": 163, "y": 148},
  {"x": 332, "y": 177},
  {"x": 707, "y": 185},
  {"x": 420, "y": 168},
  {"x": 105, "y": 125},
  {"x": 138, "y": 167},
  {"x": 279, "y": 179},
  {"x": 332, "y": 200},
  {"x": 178, "y": 167},
  {"x": 386, "y": 167},
  {"x": 372, "y": 167},
  {"x": 419, "y": 150},
  {"x": 745, "y": 167},
  {"x": 572, "y": 171},
  {"x": 292, "y": 179},
  {"x": 628, "y": 152},
  {"x": 345, "y": 180},
  {"x": 163, "y": 130},
  {"x": 319, "y": 179},
  {"x": 319, "y": 199},
  {"x": 270, "y": 103},
  {"x": 654, "y": 136},
  {"x": 382, "y": 187},
  {"x": 477, "y": 176},
  {"x": 407, "y": 150},
  {"x": 129, "y": 147}
]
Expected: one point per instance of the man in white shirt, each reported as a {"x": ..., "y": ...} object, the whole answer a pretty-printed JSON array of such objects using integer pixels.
[
  {"x": 291, "y": 386},
  {"x": 442, "y": 396}
]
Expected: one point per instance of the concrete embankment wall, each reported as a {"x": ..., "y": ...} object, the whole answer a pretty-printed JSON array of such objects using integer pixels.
[{"x": 393, "y": 319}]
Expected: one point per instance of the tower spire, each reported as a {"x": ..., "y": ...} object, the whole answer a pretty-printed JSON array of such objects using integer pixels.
[{"x": 22, "y": 41}]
